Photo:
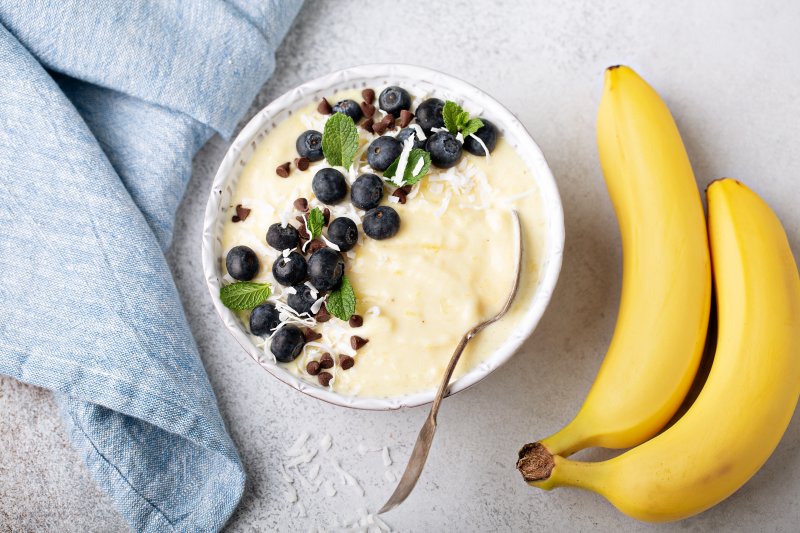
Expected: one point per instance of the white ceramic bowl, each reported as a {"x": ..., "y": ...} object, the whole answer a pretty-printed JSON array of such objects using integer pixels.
[{"x": 419, "y": 80}]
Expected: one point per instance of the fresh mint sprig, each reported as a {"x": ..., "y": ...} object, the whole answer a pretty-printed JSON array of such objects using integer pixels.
[
  {"x": 244, "y": 295},
  {"x": 409, "y": 177},
  {"x": 340, "y": 140},
  {"x": 315, "y": 221},
  {"x": 341, "y": 302},
  {"x": 457, "y": 120}
]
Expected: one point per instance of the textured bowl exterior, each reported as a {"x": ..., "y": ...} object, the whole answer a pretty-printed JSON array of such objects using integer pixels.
[{"x": 421, "y": 81}]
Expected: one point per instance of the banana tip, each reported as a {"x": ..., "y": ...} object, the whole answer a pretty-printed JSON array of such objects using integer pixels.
[{"x": 535, "y": 462}]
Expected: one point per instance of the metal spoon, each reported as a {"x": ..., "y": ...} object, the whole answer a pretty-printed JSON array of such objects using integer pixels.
[{"x": 423, "y": 445}]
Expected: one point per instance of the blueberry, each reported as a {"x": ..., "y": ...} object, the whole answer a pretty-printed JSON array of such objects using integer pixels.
[
  {"x": 325, "y": 269},
  {"x": 264, "y": 319},
  {"x": 329, "y": 186},
  {"x": 291, "y": 270},
  {"x": 445, "y": 149},
  {"x": 487, "y": 133},
  {"x": 383, "y": 151},
  {"x": 343, "y": 233},
  {"x": 405, "y": 133},
  {"x": 287, "y": 343},
  {"x": 349, "y": 108},
  {"x": 381, "y": 223},
  {"x": 394, "y": 99},
  {"x": 282, "y": 238},
  {"x": 242, "y": 263},
  {"x": 303, "y": 298},
  {"x": 309, "y": 145},
  {"x": 367, "y": 191},
  {"x": 429, "y": 114}
]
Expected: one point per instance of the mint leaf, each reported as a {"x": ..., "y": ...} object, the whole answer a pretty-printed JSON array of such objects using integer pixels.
[
  {"x": 462, "y": 119},
  {"x": 471, "y": 127},
  {"x": 456, "y": 119},
  {"x": 244, "y": 295},
  {"x": 450, "y": 114},
  {"x": 341, "y": 302},
  {"x": 409, "y": 178},
  {"x": 340, "y": 140},
  {"x": 314, "y": 222}
]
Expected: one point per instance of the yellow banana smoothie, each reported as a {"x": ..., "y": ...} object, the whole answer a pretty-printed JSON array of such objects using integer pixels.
[{"x": 382, "y": 232}]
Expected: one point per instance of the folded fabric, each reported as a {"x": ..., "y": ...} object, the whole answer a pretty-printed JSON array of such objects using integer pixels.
[{"x": 102, "y": 105}]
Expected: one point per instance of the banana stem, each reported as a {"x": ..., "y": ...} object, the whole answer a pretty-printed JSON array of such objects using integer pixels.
[{"x": 544, "y": 470}]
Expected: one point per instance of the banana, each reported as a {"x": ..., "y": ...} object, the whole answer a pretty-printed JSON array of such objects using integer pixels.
[
  {"x": 748, "y": 399},
  {"x": 666, "y": 283}
]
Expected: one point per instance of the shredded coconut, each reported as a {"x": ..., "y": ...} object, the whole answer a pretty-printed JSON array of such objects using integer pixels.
[
  {"x": 330, "y": 244},
  {"x": 485, "y": 149},
  {"x": 387, "y": 459},
  {"x": 418, "y": 131},
  {"x": 408, "y": 145}
]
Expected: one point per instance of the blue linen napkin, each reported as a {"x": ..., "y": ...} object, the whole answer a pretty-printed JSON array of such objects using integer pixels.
[{"x": 103, "y": 103}]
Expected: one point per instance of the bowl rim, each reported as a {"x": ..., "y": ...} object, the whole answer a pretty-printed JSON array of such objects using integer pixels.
[{"x": 552, "y": 252}]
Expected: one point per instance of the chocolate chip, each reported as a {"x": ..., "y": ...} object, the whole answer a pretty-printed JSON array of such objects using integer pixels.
[
  {"x": 379, "y": 128},
  {"x": 313, "y": 368},
  {"x": 311, "y": 335},
  {"x": 235, "y": 218},
  {"x": 326, "y": 361},
  {"x": 368, "y": 95},
  {"x": 356, "y": 321},
  {"x": 367, "y": 109},
  {"x": 301, "y": 163},
  {"x": 323, "y": 315},
  {"x": 315, "y": 245},
  {"x": 283, "y": 170},
  {"x": 405, "y": 117},
  {"x": 303, "y": 232},
  {"x": 366, "y": 124},
  {"x": 326, "y": 216},
  {"x": 407, "y": 188},
  {"x": 325, "y": 378},
  {"x": 301, "y": 204},
  {"x": 389, "y": 121},
  {"x": 242, "y": 212},
  {"x": 324, "y": 107},
  {"x": 357, "y": 342},
  {"x": 346, "y": 362},
  {"x": 400, "y": 193}
]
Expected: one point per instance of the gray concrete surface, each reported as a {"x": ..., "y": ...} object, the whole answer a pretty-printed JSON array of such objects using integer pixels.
[{"x": 731, "y": 75}]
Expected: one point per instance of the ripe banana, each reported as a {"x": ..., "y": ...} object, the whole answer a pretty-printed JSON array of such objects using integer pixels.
[
  {"x": 666, "y": 282},
  {"x": 751, "y": 391}
]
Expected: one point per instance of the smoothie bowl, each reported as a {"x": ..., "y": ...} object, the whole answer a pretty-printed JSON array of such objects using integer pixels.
[{"x": 361, "y": 223}]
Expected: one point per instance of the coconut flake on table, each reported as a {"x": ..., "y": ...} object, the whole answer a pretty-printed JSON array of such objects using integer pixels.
[
  {"x": 302, "y": 459},
  {"x": 373, "y": 311},
  {"x": 348, "y": 478},
  {"x": 298, "y": 446},
  {"x": 329, "y": 489},
  {"x": 325, "y": 443},
  {"x": 291, "y": 493},
  {"x": 387, "y": 459}
]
